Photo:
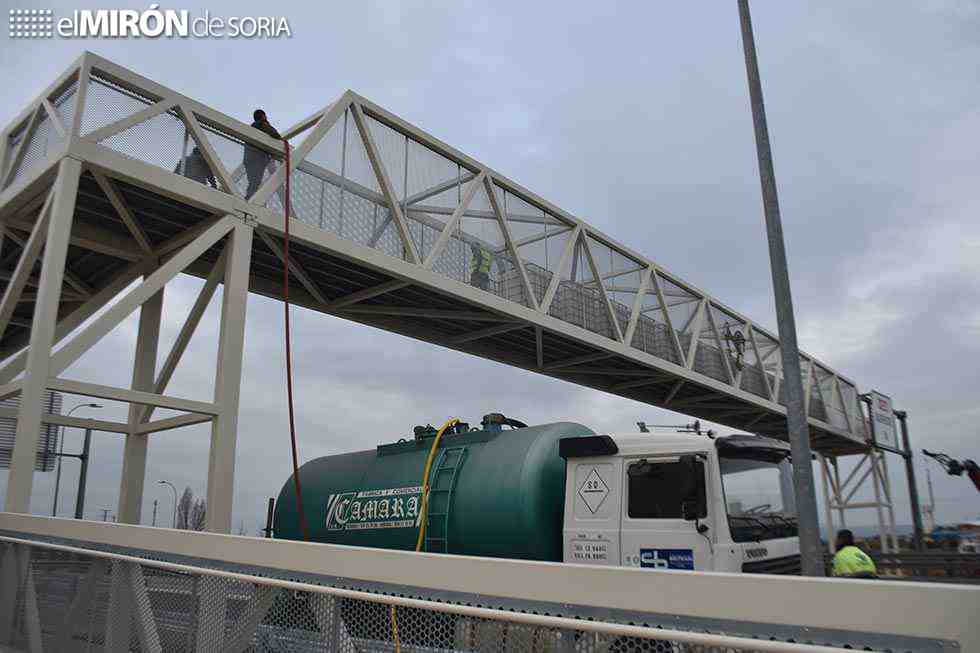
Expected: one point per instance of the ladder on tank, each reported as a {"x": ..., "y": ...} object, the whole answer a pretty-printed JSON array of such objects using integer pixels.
[{"x": 441, "y": 498}]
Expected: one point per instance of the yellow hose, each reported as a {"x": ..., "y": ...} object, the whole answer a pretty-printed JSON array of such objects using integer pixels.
[{"x": 423, "y": 513}]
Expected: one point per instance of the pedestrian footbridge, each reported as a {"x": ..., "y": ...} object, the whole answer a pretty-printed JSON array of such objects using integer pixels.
[
  {"x": 117, "y": 178},
  {"x": 111, "y": 185}
]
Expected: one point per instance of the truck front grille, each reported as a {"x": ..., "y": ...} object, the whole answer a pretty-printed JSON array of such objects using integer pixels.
[{"x": 788, "y": 565}]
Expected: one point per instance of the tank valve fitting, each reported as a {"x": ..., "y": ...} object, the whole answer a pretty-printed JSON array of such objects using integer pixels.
[
  {"x": 421, "y": 432},
  {"x": 495, "y": 422}
]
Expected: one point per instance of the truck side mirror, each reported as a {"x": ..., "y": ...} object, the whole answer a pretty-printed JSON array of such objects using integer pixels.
[{"x": 691, "y": 511}]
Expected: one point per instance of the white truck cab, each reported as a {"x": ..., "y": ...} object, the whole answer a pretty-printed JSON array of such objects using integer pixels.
[{"x": 680, "y": 501}]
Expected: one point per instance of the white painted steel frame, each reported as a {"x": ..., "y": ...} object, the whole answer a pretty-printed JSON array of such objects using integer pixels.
[
  {"x": 63, "y": 167},
  {"x": 53, "y": 229},
  {"x": 839, "y": 496},
  {"x": 935, "y": 611}
]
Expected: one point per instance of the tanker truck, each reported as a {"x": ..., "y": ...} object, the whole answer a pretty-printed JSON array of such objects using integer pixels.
[{"x": 559, "y": 492}]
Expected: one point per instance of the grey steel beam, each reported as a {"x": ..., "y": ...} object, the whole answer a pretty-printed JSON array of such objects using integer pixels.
[
  {"x": 796, "y": 417},
  {"x": 913, "y": 487}
]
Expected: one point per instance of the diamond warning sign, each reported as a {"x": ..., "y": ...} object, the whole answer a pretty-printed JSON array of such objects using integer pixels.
[{"x": 594, "y": 490}]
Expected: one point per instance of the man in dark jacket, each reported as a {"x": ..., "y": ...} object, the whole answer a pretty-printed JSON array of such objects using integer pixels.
[{"x": 256, "y": 160}]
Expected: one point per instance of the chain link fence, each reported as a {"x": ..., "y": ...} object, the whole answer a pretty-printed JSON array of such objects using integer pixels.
[{"x": 56, "y": 597}]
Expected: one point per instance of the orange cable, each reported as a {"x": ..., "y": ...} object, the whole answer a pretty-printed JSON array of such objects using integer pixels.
[{"x": 289, "y": 354}]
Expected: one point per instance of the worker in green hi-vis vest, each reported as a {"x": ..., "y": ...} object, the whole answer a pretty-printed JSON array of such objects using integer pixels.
[
  {"x": 480, "y": 263},
  {"x": 850, "y": 561}
]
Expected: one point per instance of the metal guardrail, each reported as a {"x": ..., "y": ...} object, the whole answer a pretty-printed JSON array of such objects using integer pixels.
[
  {"x": 121, "y": 587},
  {"x": 931, "y": 566},
  {"x": 86, "y": 598}
]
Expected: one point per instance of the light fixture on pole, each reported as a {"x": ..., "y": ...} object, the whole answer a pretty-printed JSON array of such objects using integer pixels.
[
  {"x": 61, "y": 454},
  {"x": 174, "y": 490}
]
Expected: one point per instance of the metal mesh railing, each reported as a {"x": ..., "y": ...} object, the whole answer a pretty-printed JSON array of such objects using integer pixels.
[
  {"x": 43, "y": 137},
  {"x": 67, "y": 598}
]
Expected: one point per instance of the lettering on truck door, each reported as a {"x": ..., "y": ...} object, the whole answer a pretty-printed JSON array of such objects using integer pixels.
[
  {"x": 654, "y": 533},
  {"x": 592, "y": 500}
]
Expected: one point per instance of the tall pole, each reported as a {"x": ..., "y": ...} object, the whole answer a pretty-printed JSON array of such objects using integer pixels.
[
  {"x": 811, "y": 551},
  {"x": 83, "y": 474},
  {"x": 270, "y": 515},
  {"x": 174, "y": 490},
  {"x": 913, "y": 487},
  {"x": 931, "y": 511},
  {"x": 57, "y": 474},
  {"x": 61, "y": 454}
]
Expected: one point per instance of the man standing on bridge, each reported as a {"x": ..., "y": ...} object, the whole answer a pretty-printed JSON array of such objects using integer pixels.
[
  {"x": 195, "y": 166},
  {"x": 256, "y": 160},
  {"x": 850, "y": 561},
  {"x": 480, "y": 262}
]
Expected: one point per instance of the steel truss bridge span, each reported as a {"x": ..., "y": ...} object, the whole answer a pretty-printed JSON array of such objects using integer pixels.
[{"x": 109, "y": 177}]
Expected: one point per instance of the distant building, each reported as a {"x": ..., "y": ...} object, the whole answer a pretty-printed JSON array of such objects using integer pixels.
[{"x": 47, "y": 444}]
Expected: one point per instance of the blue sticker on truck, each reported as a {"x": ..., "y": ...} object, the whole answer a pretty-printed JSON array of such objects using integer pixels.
[{"x": 667, "y": 558}]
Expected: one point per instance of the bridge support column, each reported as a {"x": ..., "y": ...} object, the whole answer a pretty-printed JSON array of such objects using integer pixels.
[
  {"x": 57, "y": 234},
  {"x": 135, "y": 449},
  {"x": 228, "y": 380}
]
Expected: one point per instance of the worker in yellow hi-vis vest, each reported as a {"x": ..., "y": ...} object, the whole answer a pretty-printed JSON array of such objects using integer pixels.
[
  {"x": 480, "y": 261},
  {"x": 850, "y": 561}
]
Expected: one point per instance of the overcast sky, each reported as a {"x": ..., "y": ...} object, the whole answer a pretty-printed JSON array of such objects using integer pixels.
[{"x": 633, "y": 116}]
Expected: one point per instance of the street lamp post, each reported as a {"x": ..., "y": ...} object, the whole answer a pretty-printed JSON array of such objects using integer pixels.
[
  {"x": 61, "y": 454},
  {"x": 83, "y": 474},
  {"x": 811, "y": 551},
  {"x": 174, "y": 490}
]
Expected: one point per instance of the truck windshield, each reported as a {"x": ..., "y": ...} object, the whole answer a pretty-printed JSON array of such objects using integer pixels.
[{"x": 754, "y": 498}]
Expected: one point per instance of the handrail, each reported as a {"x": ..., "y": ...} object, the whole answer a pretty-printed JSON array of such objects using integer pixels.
[{"x": 544, "y": 621}]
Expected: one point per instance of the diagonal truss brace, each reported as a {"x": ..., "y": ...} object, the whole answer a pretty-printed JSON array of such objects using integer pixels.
[
  {"x": 637, "y": 306},
  {"x": 716, "y": 334},
  {"x": 295, "y": 268},
  {"x": 85, "y": 600},
  {"x": 18, "y": 155},
  {"x": 327, "y": 120},
  {"x": 613, "y": 320},
  {"x": 72, "y": 321},
  {"x": 662, "y": 300},
  {"x": 207, "y": 150},
  {"x": 566, "y": 255},
  {"x": 447, "y": 231},
  {"x": 509, "y": 242},
  {"x": 759, "y": 364},
  {"x": 55, "y": 118},
  {"x": 129, "y": 121},
  {"x": 153, "y": 283},
  {"x": 695, "y": 331},
  {"x": 122, "y": 210},
  {"x": 186, "y": 332},
  {"x": 29, "y": 256},
  {"x": 385, "y": 182}
]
